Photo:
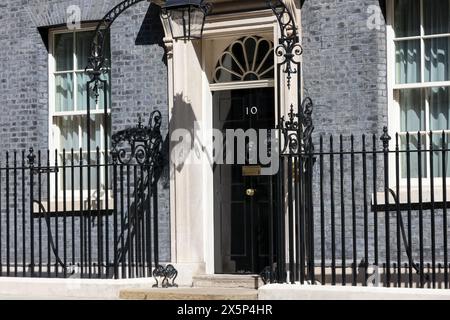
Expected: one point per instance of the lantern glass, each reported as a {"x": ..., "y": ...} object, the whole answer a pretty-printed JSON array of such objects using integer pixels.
[
  {"x": 186, "y": 21},
  {"x": 197, "y": 16}
]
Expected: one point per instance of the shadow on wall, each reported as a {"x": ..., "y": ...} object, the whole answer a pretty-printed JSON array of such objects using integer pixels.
[
  {"x": 182, "y": 117},
  {"x": 185, "y": 131},
  {"x": 152, "y": 29}
]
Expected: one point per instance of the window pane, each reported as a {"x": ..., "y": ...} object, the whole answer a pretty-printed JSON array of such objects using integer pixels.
[
  {"x": 64, "y": 51},
  {"x": 412, "y": 110},
  {"x": 69, "y": 132},
  {"x": 441, "y": 143},
  {"x": 76, "y": 170},
  {"x": 264, "y": 61},
  {"x": 69, "y": 138},
  {"x": 108, "y": 132},
  {"x": 410, "y": 160},
  {"x": 437, "y": 59},
  {"x": 407, "y": 61},
  {"x": 77, "y": 173},
  {"x": 101, "y": 98},
  {"x": 95, "y": 134},
  {"x": 82, "y": 80},
  {"x": 439, "y": 99},
  {"x": 64, "y": 92},
  {"x": 436, "y": 16},
  {"x": 250, "y": 48},
  {"x": 83, "y": 44},
  {"x": 407, "y": 18},
  {"x": 83, "y": 51},
  {"x": 92, "y": 171}
]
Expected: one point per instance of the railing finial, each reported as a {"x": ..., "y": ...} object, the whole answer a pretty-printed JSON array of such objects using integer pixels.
[
  {"x": 385, "y": 138},
  {"x": 31, "y": 157}
]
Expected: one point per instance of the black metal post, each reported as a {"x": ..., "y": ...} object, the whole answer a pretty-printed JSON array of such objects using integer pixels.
[
  {"x": 444, "y": 200},
  {"x": 366, "y": 212},
  {"x": 31, "y": 160},
  {"x": 385, "y": 138},
  {"x": 342, "y": 200}
]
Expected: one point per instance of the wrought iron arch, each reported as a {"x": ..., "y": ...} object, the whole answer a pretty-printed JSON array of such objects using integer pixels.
[
  {"x": 96, "y": 64},
  {"x": 96, "y": 61},
  {"x": 141, "y": 145}
]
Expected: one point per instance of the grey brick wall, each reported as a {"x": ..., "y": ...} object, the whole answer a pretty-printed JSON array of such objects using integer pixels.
[
  {"x": 139, "y": 77},
  {"x": 344, "y": 71},
  {"x": 344, "y": 67}
]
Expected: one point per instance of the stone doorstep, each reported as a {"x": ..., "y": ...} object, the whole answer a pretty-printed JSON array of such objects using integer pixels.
[
  {"x": 205, "y": 287},
  {"x": 228, "y": 281},
  {"x": 190, "y": 294}
]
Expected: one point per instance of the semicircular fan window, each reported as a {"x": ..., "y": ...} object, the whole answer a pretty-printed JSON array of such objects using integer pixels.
[{"x": 247, "y": 59}]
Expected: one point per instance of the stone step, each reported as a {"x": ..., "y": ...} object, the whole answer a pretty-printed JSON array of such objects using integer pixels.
[
  {"x": 227, "y": 281},
  {"x": 189, "y": 294}
]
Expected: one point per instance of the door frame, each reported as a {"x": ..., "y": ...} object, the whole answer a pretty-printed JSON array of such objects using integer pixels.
[{"x": 212, "y": 47}]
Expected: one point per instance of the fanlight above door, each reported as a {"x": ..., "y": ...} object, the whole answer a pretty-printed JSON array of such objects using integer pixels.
[{"x": 247, "y": 59}]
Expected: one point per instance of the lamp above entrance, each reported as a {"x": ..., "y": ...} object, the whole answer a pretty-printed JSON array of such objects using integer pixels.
[{"x": 186, "y": 18}]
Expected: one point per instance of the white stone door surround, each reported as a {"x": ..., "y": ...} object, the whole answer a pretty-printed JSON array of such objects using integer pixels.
[{"x": 190, "y": 67}]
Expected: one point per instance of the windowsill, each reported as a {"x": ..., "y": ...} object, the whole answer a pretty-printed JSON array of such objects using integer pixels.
[
  {"x": 81, "y": 112},
  {"x": 71, "y": 207},
  {"x": 424, "y": 200}
]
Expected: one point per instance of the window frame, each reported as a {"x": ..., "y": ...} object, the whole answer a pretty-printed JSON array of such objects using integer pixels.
[
  {"x": 53, "y": 129},
  {"x": 394, "y": 114}
]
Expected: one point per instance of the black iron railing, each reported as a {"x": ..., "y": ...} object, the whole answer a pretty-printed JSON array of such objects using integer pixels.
[
  {"x": 350, "y": 211},
  {"x": 64, "y": 215},
  {"x": 371, "y": 210},
  {"x": 53, "y": 224}
]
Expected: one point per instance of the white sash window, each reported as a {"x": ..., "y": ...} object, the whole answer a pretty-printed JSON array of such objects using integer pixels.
[
  {"x": 419, "y": 78},
  {"x": 70, "y": 51}
]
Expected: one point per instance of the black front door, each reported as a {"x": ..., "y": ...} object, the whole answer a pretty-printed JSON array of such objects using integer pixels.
[{"x": 243, "y": 198}]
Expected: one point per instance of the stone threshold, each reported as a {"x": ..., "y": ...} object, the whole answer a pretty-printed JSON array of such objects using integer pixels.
[
  {"x": 236, "y": 281},
  {"x": 187, "y": 293}
]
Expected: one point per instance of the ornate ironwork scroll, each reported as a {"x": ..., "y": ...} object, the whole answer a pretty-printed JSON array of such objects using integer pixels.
[
  {"x": 289, "y": 47},
  {"x": 97, "y": 60},
  {"x": 267, "y": 275},
  {"x": 168, "y": 274},
  {"x": 297, "y": 129},
  {"x": 141, "y": 144}
]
